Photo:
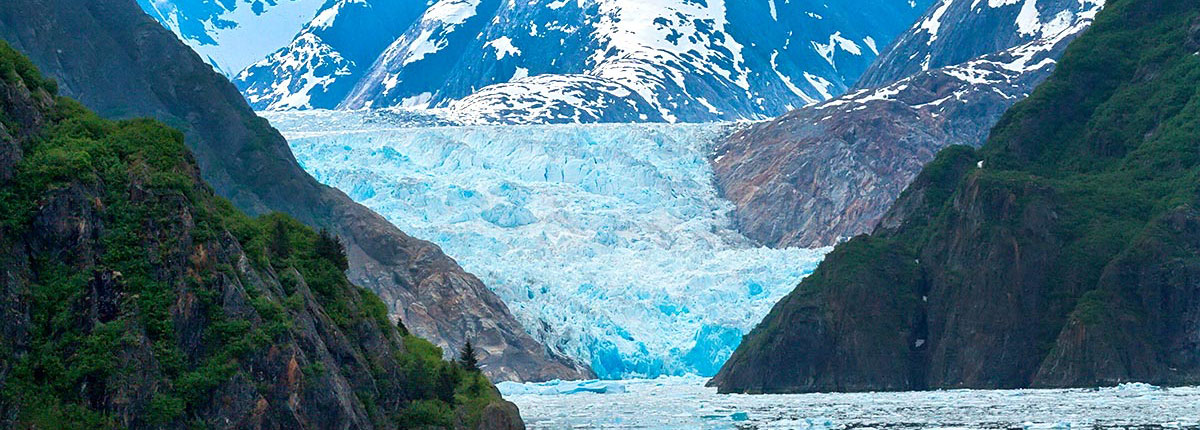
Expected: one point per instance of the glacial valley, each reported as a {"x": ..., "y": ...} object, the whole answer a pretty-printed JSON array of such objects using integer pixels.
[{"x": 608, "y": 242}]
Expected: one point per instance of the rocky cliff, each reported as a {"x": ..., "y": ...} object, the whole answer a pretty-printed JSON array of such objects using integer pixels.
[
  {"x": 1062, "y": 253},
  {"x": 118, "y": 61},
  {"x": 133, "y": 297},
  {"x": 827, "y": 172}
]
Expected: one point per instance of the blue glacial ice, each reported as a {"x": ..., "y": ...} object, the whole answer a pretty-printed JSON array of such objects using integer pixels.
[{"x": 608, "y": 242}]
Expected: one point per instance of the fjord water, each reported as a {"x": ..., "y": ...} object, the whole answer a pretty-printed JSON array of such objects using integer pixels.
[
  {"x": 684, "y": 403},
  {"x": 608, "y": 242}
]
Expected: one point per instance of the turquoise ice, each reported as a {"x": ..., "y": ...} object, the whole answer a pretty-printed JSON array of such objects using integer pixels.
[{"x": 608, "y": 242}]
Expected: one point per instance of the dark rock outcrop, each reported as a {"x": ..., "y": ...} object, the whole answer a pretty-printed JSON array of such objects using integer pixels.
[
  {"x": 828, "y": 172},
  {"x": 118, "y": 61},
  {"x": 1063, "y": 253},
  {"x": 132, "y": 297}
]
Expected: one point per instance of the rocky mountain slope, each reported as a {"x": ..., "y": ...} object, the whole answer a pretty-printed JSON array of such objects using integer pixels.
[
  {"x": 587, "y": 60},
  {"x": 827, "y": 172},
  {"x": 133, "y": 297},
  {"x": 129, "y": 66},
  {"x": 1064, "y": 252}
]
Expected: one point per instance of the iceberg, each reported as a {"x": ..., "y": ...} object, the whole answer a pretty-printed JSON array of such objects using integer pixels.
[{"x": 608, "y": 242}]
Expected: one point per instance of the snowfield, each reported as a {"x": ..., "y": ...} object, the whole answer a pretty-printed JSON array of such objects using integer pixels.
[{"x": 608, "y": 242}]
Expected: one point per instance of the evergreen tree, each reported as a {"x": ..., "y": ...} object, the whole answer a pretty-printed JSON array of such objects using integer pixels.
[
  {"x": 447, "y": 380},
  {"x": 400, "y": 326},
  {"x": 330, "y": 247},
  {"x": 467, "y": 358},
  {"x": 280, "y": 245}
]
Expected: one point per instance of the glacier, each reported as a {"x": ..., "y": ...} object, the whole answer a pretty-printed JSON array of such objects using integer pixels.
[{"x": 607, "y": 241}]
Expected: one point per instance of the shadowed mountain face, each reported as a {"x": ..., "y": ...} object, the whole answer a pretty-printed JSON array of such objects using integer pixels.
[
  {"x": 119, "y": 62},
  {"x": 1064, "y": 252},
  {"x": 133, "y": 297},
  {"x": 827, "y": 172}
]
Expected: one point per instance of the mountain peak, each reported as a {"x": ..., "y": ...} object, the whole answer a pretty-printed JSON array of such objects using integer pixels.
[{"x": 547, "y": 61}]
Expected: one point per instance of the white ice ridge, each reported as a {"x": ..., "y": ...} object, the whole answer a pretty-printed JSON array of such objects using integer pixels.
[{"x": 608, "y": 242}]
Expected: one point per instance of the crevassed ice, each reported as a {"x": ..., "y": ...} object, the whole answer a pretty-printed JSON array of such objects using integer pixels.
[{"x": 608, "y": 242}]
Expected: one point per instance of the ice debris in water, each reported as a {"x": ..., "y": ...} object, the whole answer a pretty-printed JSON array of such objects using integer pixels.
[
  {"x": 685, "y": 403},
  {"x": 609, "y": 242},
  {"x": 558, "y": 387}
]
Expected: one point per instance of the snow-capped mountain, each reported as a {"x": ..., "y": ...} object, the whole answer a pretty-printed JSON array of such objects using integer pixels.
[
  {"x": 232, "y": 34},
  {"x": 606, "y": 241},
  {"x": 953, "y": 32},
  {"x": 828, "y": 172},
  {"x": 535, "y": 61},
  {"x": 328, "y": 57}
]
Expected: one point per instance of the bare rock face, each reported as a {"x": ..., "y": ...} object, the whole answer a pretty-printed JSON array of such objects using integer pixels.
[
  {"x": 827, "y": 172},
  {"x": 116, "y": 60}
]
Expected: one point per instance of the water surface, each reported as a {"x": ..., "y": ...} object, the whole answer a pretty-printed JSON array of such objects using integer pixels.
[{"x": 684, "y": 403}]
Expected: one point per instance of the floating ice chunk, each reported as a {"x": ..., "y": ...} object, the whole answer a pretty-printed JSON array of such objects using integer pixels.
[
  {"x": 558, "y": 387},
  {"x": 685, "y": 403}
]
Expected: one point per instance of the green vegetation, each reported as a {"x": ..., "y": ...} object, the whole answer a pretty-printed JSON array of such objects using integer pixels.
[
  {"x": 15, "y": 68},
  {"x": 442, "y": 384},
  {"x": 1107, "y": 144},
  {"x": 467, "y": 359},
  {"x": 1111, "y": 138},
  {"x": 1037, "y": 228},
  {"x": 105, "y": 314}
]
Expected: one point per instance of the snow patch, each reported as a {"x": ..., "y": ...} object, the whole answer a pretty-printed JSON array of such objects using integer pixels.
[{"x": 504, "y": 47}]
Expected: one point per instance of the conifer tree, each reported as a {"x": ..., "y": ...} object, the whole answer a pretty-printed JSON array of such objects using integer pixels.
[
  {"x": 280, "y": 245},
  {"x": 400, "y": 326},
  {"x": 330, "y": 247},
  {"x": 466, "y": 357}
]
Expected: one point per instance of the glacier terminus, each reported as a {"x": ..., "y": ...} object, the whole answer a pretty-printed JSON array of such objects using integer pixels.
[{"x": 608, "y": 242}]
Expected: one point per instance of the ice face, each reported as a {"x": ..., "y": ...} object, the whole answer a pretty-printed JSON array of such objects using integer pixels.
[{"x": 608, "y": 242}]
